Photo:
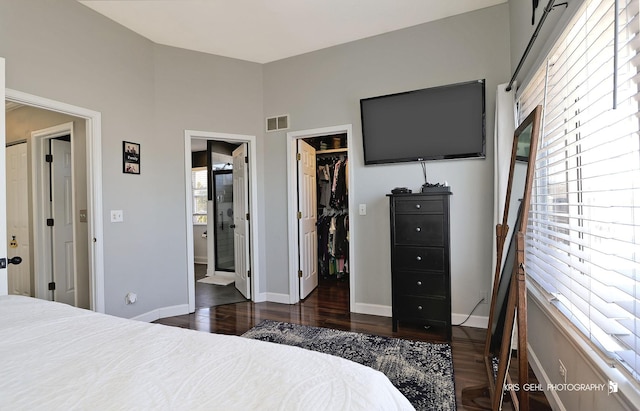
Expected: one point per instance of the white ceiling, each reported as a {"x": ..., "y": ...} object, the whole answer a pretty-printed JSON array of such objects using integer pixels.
[{"x": 267, "y": 30}]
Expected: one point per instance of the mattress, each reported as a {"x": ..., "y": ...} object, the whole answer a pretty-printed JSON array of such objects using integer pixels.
[{"x": 57, "y": 357}]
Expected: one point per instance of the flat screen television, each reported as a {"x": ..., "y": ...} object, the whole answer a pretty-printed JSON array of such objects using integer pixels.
[{"x": 437, "y": 123}]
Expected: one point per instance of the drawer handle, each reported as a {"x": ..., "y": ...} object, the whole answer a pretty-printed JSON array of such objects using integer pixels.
[
  {"x": 418, "y": 229},
  {"x": 418, "y": 206},
  {"x": 418, "y": 258},
  {"x": 419, "y": 282},
  {"x": 419, "y": 308}
]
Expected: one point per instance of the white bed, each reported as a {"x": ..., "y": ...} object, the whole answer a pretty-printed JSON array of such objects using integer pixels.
[{"x": 56, "y": 357}]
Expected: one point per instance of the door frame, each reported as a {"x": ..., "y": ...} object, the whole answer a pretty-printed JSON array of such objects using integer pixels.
[
  {"x": 253, "y": 207},
  {"x": 93, "y": 124},
  {"x": 292, "y": 209}
]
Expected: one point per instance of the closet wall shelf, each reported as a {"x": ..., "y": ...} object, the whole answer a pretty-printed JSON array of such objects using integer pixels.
[{"x": 333, "y": 150}]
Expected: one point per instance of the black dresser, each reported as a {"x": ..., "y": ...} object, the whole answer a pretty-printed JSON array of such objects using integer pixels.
[{"x": 420, "y": 260}]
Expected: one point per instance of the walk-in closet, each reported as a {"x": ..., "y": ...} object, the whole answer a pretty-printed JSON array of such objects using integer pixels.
[{"x": 332, "y": 207}]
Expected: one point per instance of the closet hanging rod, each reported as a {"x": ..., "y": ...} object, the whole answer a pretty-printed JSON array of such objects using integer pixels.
[
  {"x": 332, "y": 150},
  {"x": 550, "y": 6}
]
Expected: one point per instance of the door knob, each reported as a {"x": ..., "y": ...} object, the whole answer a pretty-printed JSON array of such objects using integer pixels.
[
  {"x": 15, "y": 260},
  {"x": 232, "y": 226}
]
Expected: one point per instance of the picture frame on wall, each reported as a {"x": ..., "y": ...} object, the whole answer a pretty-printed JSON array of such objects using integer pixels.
[{"x": 130, "y": 157}]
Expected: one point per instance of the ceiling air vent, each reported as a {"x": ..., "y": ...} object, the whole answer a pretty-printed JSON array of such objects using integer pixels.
[{"x": 278, "y": 122}]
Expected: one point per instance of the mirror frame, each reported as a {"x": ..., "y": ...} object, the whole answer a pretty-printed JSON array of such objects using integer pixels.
[{"x": 515, "y": 305}]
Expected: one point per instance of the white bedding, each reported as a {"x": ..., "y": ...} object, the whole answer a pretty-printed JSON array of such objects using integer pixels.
[{"x": 56, "y": 357}]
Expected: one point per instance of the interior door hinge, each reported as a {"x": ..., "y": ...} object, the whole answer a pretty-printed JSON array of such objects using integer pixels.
[
  {"x": 299, "y": 273},
  {"x": 248, "y": 273},
  {"x": 299, "y": 215},
  {"x": 299, "y": 156},
  {"x": 52, "y": 286},
  {"x": 247, "y": 216},
  {"x": 246, "y": 159},
  {"x": 49, "y": 222},
  {"x": 48, "y": 158}
]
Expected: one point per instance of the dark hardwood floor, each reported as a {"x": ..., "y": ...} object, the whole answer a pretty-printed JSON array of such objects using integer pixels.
[
  {"x": 209, "y": 295},
  {"x": 328, "y": 306}
]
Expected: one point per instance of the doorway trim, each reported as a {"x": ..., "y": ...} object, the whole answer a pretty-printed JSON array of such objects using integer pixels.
[
  {"x": 93, "y": 122},
  {"x": 253, "y": 207},
  {"x": 292, "y": 190}
]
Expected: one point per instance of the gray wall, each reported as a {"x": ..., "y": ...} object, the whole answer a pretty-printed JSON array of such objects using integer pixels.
[
  {"x": 147, "y": 94},
  {"x": 324, "y": 88}
]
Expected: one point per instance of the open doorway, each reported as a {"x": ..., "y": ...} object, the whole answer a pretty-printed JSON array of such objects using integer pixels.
[
  {"x": 213, "y": 222},
  {"x": 43, "y": 129},
  {"x": 229, "y": 228},
  {"x": 320, "y": 229}
]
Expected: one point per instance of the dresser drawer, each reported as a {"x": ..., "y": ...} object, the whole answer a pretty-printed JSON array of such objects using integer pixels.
[
  {"x": 411, "y": 205},
  {"x": 418, "y": 258},
  {"x": 420, "y": 284},
  {"x": 435, "y": 310},
  {"x": 422, "y": 229}
]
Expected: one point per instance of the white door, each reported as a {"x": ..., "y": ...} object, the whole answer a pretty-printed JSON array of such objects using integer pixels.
[
  {"x": 307, "y": 218},
  {"x": 4, "y": 285},
  {"x": 62, "y": 214},
  {"x": 18, "y": 219},
  {"x": 241, "y": 220}
]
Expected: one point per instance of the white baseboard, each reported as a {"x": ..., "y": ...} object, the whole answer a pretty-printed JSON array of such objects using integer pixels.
[
  {"x": 372, "y": 309},
  {"x": 163, "y": 312},
  {"x": 260, "y": 298},
  {"x": 476, "y": 321},
  {"x": 200, "y": 260},
  {"x": 385, "y": 311},
  {"x": 277, "y": 298}
]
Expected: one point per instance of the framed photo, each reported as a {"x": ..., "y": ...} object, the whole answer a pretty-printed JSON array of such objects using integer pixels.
[{"x": 130, "y": 157}]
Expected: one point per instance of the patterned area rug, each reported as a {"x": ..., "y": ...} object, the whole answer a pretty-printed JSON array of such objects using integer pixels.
[{"x": 422, "y": 371}]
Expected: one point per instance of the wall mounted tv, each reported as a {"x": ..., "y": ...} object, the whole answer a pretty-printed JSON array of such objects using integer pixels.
[{"x": 435, "y": 123}]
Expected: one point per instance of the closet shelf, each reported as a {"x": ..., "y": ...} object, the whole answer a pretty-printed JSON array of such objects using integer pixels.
[{"x": 333, "y": 150}]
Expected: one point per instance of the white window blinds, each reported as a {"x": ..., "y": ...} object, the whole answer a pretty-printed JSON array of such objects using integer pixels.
[{"x": 583, "y": 237}]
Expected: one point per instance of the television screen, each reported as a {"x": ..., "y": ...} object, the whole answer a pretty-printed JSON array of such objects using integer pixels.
[{"x": 435, "y": 123}]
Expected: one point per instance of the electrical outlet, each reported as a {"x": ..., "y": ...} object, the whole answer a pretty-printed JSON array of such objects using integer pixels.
[
  {"x": 484, "y": 296},
  {"x": 563, "y": 371},
  {"x": 117, "y": 216}
]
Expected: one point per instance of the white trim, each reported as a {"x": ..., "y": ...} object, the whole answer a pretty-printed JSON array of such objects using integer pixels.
[
  {"x": 628, "y": 395},
  {"x": 200, "y": 259},
  {"x": 292, "y": 190},
  {"x": 373, "y": 309},
  {"x": 40, "y": 197},
  {"x": 543, "y": 378},
  {"x": 262, "y": 297},
  {"x": 276, "y": 298},
  {"x": 93, "y": 120},
  {"x": 163, "y": 312},
  {"x": 4, "y": 273},
  {"x": 253, "y": 206},
  {"x": 476, "y": 321}
]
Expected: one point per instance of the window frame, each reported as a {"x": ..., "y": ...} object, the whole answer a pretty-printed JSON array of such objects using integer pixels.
[{"x": 199, "y": 215}]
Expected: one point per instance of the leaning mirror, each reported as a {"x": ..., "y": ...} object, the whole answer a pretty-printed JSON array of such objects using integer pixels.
[{"x": 507, "y": 298}]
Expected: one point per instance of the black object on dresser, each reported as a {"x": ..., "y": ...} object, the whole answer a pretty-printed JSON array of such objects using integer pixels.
[{"x": 420, "y": 259}]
